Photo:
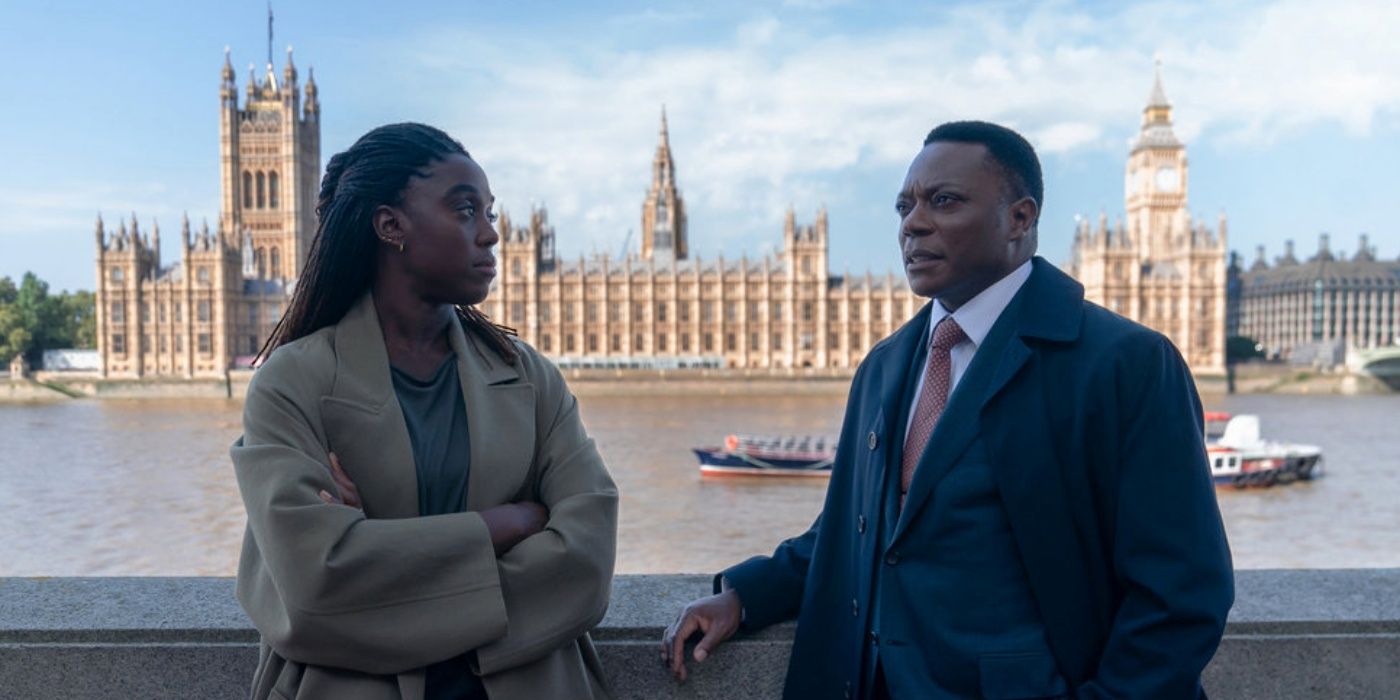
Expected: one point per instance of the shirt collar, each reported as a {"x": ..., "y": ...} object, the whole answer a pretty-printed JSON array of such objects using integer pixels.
[{"x": 977, "y": 316}]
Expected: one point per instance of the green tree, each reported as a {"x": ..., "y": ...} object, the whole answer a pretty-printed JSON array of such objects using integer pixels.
[
  {"x": 14, "y": 338},
  {"x": 80, "y": 311},
  {"x": 32, "y": 320}
]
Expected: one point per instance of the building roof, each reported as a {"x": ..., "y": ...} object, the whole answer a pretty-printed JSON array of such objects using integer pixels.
[
  {"x": 1158, "y": 98},
  {"x": 1360, "y": 270},
  {"x": 1157, "y": 123}
]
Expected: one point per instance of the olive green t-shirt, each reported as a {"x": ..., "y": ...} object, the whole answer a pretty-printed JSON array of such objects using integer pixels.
[{"x": 437, "y": 428}]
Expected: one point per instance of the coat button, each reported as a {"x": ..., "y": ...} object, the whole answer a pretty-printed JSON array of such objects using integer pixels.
[
  {"x": 892, "y": 558},
  {"x": 855, "y": 608},
  {"x": 874, "y": 637},
  {"x": 872, "y": 440},
  {"x": 860, "y": 524}
]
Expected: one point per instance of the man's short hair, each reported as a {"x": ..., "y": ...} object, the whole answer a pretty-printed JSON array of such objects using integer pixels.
[{"x": 1010, "y": 150}]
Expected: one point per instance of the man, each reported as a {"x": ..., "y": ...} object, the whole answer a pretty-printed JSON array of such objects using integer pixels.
[{"x": 1020, "y": 505}]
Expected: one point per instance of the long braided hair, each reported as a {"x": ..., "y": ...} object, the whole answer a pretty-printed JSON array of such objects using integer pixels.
[{"x": 340, "y": 267}]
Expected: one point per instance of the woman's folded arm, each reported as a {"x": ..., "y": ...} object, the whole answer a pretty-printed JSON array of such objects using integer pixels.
[
  {"x": 557, "y": 583},
  {"x": 325, "y": 585}
]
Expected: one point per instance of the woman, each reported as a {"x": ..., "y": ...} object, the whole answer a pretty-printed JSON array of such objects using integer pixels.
[{"x": 426, "y": 516}]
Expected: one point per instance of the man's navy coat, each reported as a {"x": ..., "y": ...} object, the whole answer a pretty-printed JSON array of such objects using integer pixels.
[{"x": 1092, "y": 427}]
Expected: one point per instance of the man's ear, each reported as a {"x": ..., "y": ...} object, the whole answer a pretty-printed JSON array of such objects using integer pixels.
[
  {"x": 1024, "y": 215},
  {"x": 388, "y": 225}
]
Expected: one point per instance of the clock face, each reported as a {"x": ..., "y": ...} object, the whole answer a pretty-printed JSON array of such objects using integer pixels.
[{"x": 1167, "y": 179}]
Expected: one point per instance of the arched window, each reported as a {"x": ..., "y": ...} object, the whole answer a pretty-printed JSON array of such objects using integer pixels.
[
  {"x": 262, "y": 197},
  {"x": 247, "y": 190},
  {"x": 260, "y": 256},
  {"x": 272, "y": 192},
  {"x": 276, "y": 264}
]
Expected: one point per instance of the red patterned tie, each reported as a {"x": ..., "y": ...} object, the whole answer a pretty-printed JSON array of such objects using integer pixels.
[{"x": 938, "y": 378}]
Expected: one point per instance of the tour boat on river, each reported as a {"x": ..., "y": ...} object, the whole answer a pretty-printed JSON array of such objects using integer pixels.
[
  {"x": 761, "y": 455},
  {"x": 1241, "y": 458}
]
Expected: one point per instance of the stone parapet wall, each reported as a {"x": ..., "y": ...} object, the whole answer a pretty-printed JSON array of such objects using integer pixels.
[{"x": 1292, "y": 634}]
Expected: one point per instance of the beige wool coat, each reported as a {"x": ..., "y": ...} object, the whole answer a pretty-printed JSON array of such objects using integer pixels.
[{"x": 354, "y": 604}]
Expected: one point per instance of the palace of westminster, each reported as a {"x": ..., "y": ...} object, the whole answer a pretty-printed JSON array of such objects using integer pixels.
[{"x": 661, "y": 307}]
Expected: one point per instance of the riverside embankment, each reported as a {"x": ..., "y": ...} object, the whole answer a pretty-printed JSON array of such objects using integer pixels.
[{"x": 1252, "y": 378}]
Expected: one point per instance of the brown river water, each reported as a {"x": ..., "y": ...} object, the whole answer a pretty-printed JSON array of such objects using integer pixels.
[{"x": 118, "y": 488}]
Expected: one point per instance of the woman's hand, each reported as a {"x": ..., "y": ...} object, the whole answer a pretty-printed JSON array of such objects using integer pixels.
[
  {"x": 511, "y": 523},
  {"x": 349, "y": 495}
]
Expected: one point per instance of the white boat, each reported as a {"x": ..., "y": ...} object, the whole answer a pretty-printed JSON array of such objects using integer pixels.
[{"x": 1242, "y": 458}]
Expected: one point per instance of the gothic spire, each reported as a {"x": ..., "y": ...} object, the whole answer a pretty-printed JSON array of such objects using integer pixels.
[
  {"x": 269, "y": 34},
  {"x": 663, "y": 167},
  {"x": 289, "y": 73},
  {"x": 1157, "y": 118},
  {"x": 311, "y": 106},
  {"x": 1158, "y": 98},
  {"x": 663, "y": 212},
  {"x": 227, "y": 73}
]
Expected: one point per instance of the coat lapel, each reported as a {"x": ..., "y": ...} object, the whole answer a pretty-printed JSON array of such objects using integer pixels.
[
  {"x": 906, "y": 347},
  {"x": 365, "y": 425},
  {"x": 364, "y": 422},
  {"x": 957, "y": 427},
  {"x": 1045, "y": 307},
  {"x": 500, "y": 423},
  {"x": 1025, "y": 463}
]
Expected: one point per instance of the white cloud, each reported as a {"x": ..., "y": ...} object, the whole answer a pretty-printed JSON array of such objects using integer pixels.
[
  {"x": 76, "y": 208},
  {"x": 775, "y": 106},
  {"x": 816, "y": 4},
  {"x": 1066, "y": 136},
  {"x": 758, "y": 32},
  {"x": 775, "y": 113}
]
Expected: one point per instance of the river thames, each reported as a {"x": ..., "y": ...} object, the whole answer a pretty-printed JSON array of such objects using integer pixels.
[{"x": 115, "y": 488}]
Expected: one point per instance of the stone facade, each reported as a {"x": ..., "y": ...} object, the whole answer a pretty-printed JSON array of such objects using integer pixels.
[
  {"x": 662, "y": 308},
  {"x": 1159, "y": 267},
  {"x": 658, "y": 308},
  {"x": 212, "y": 308},
  {"x": 1293, "y": 307}
]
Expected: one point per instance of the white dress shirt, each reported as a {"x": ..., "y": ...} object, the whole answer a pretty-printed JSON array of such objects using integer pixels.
[{"x": 976, "y": 318}]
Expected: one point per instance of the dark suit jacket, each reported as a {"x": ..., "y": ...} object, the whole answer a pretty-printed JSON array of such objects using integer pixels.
[{"x": 1093, "y": 429}]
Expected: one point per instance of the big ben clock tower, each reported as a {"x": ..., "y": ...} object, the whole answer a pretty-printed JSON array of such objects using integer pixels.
[
  {"x": 1158, "y": 266},
  {"x": 1156, "y": 180}
]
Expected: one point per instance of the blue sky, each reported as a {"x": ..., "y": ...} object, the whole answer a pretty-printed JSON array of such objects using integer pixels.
[{"x": 1291, "y": 109}]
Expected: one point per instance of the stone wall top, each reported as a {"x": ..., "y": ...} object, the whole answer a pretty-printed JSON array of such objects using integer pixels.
[
  {"x": 1292, "y": 634},
  {"x": 1267, "y": 601}
]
